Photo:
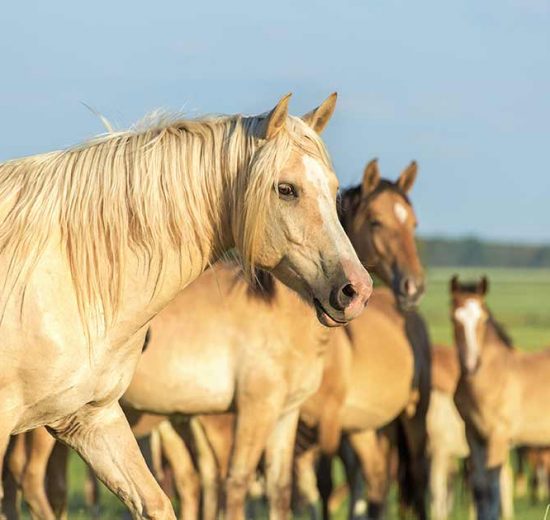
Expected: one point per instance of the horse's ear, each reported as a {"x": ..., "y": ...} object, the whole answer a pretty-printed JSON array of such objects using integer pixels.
[
  {"x": 483, "y": 286},
  {"x": 407, "y": 177},
  {"x": 371, "y": 177},
  {"x": 454, "y": 283},
  {"x": 276, "y": 119},
  {"x": 319, "y": 117}
]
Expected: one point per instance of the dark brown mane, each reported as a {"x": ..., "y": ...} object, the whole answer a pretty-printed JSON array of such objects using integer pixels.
[
  {"x": 500, "y": 331},
  {"x": 351, "y": 197},
  {"x": 263, "y": 286}
]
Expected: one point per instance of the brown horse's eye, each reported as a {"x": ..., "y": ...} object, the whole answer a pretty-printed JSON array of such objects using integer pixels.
[
  {"x": 374, "y": 223},
  {"x": 287, "y": 191}
]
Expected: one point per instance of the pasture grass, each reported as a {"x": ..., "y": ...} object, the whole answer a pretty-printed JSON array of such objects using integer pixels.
[{"x": 520, "y": 299}]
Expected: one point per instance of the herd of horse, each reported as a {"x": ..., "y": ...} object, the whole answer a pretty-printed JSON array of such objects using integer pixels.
[{"x": 199, "y": 286}]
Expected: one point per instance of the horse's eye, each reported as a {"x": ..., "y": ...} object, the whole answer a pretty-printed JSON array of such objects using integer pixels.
[
  {"x": 375, "y": 223},
  {"x": 287, "y": 191}
]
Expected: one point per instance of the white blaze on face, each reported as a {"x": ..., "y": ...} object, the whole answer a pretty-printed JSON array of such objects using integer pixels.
[
  {"x": 318, "y": 177},
  {"x": 468, "y": 316},
  {"x": 401, "y": 212}
]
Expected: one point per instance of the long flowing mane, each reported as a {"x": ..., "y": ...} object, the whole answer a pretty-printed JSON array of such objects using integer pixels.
[{"x": 141, "y": 191}]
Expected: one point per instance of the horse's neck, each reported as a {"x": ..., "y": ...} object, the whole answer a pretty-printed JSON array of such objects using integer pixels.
[{"x": 494, "y": 348}]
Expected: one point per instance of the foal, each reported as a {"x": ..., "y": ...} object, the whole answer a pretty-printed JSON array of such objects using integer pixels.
[{"x": 502, "y": 394}]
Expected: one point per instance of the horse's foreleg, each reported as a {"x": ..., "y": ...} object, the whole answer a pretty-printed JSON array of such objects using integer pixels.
[
  {"x": 374, "y": 455},
  {"x": 15, "y": 461},
  {"x": 325, "y": 483},
  {"x": 255, "y": 422},
  {"x": 91, "y": 493},
  {"x": 279, "y": 455},
  {"x": 103, "y": 438},
  {"x": 306, "y": 481},
  {"x": 56, "y": 480},
  {"x": 507, "y": 491},
  {"x": 439, "y": 476},
  {"x": 186, "y": 477},
  {"x": 484, "y": 481},
  {"x": 357, "y": 504},
  {"x": 40, "y": 447},
  {"x": 208, "y": 468}
]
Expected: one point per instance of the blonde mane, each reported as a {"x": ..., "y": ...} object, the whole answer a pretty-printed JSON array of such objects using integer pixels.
[{"x": 142, "y": 191}]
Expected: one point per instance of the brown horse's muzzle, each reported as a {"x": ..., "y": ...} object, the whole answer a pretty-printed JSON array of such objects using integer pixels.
[{"x": 408, "y": 290}]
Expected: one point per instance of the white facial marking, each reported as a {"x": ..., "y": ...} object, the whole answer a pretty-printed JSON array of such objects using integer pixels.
[
  {"x": 468, "y": 316},
  {"x": 316, "y": 174},
  {"x": 400, "y": 212}
]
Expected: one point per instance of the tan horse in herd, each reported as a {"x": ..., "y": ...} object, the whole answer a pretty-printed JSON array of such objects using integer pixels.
[
  {"x": 263, "y": 356},
  {"x": 373, "y": 216},
  {"x": 501, "y": 394},
  {"x": 96, "y": 240}
]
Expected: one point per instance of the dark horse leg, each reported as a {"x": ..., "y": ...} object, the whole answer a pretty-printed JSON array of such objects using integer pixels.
[
  {"x": 485, "y": 481},
  {"x": 324, "y": 482},
  {"x": 354, "y": 478}
]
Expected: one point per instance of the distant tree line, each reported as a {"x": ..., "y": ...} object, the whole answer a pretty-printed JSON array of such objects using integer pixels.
[{"x": 444, "y": 252}]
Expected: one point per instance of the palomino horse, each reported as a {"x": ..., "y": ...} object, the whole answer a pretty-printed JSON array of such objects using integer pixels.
[
  {"x": 96, "y": 240},
  {"x": 501, "y": 394},
  {"x": 264, "y": 353}
]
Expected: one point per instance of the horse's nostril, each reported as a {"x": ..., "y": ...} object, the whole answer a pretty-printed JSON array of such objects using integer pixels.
[
  {"x": 341, "y": 298},
  {"x": 349, "y": 291}
]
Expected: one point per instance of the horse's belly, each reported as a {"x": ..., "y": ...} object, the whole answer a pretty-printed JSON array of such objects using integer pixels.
[{"x": 188, "y": 387}]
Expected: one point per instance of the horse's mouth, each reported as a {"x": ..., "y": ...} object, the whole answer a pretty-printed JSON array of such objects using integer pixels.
[{"x": 324, "y": 317}]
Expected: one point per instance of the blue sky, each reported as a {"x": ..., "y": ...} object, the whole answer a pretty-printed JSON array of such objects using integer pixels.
[{"x": 462, "y": 87}]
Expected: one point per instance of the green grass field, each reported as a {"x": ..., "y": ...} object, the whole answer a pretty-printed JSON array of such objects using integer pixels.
[{"x": 518, "y": 298}]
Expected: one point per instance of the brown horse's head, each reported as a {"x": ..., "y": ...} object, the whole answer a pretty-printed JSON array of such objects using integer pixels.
[
  {"x": 380, "y": 221},
  {"x": 470, "y": 317},
  {"x": 303, "y": 243}
]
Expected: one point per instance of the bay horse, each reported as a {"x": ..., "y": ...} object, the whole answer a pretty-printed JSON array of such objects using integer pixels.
[
  {"x": 501, "y": 393},
  {"x": 97, "y": 239},
  {"x": 447, "y": 445},
  {"x": 384, "y": 361}
]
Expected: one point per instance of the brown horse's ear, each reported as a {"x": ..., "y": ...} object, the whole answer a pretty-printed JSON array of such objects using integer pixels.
[
  {"x": 276, "y": 119},
  {"x": 454, "y": 284},
  {"x": 371, "y": 177},
  {"x": 483, "y": 286},
  {"x": 407, "y": 177},
  {"x": 319, "y": 117}
]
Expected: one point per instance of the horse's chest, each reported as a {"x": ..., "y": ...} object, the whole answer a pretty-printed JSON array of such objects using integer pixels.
[
  {"x": 112, "y": 372},
  {"x": 304, "y": 383}
]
